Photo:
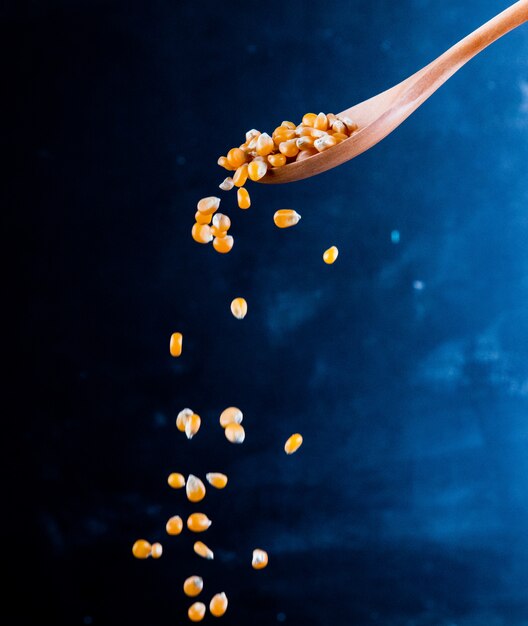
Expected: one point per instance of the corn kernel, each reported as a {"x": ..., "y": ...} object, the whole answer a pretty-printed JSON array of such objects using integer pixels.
[
  {"x": 281, "y": 134},
  {"x": 257, "y": 169},
  {"x": 221, "y": 222},
  {"x": 235, "y": 433},
  {"x": 340, "y": 137},
  {"x": 226, "y": 185},
  {"x": 239, "y": 308},
  {"x": 200, "y": 218},
  {"x": 331, "y": 118},
  {"x": 157, "y": 550},
  {"x": 223, "y": 244},
  {"x": 251, "y": 134},
  {"x": 330, "y": 255},
  {"x": 198, "y": 522},
  {"x": 218, "y": 604},
  {"x": 309, "y": 119},
  {"x": 235, "y": 157},
  {"x": 196, "y": 612},
  {"x": 208, "y": 205},
  {"x": 193, "y": 586},
  {"x": 141, "y": 549},
  {"x": 321, "y": 122},
  {"x": 231, "y": 415},
  {"x": 223, "y": 162},
  {"x": 277, "y": 160},
  {"x": 284, "y": 218},
  {"x": 264, "y": 145},
  {"x": 244, "y": 201},
  {"x": 174, "y": 525},
  {"x": 192, "y": 425},
  {"x": 305, "y": 154},
  {"x": 289, "y": 148},
  {"x": 323, "y": 143},
  {"x": 194, "y": 488},
  {"x": 289, "y": 125},
  {"x": 182, "y": 418},
  {"x": 240, "y": 176},
  {"x": 175, "y": 345},
  {"x": 176, "y": 481},
  {"x": 201, "y": 233},
  {"x": 260, "y": 559},
  {"x": 216, "y": 479},
  {"x": 339, "y": 127},
  {"x": 202, "y": 550},
  {"x": 293, "y": 443},
  {"x": 351, "y": 126},
  {"x": 305, "y": 142}
]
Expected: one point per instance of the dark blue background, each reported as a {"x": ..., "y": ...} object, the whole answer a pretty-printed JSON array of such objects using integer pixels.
[{"x": 404, "y": 365}]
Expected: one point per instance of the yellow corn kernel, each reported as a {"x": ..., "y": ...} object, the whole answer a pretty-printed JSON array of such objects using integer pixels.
[
  {"x": 196, "y": 612},
  {"x": 141, "y": 549},
  {"x": 260, "y": 559},
  {"x": 281, "y": 134},
  {"x": 305, "y": 154},
  {"x": 235, "y": 433},
  {"x": 200, "y": 218},
  {"x": 321, "y": 122},
  {"x": 217, "y": 480},
  {"x": 193, "y": 586},
  {"x": 157, "y": 550},
  {"x": 339, "y": 127},
  {"x": 223, "y": 244},
  {"x": 208, "y": 205},
  {"x": 198, "y": 522},
  {"x": 289, "y": 125},
  {"x": 305, "y": 131},
  {"x": 331, "y": 118},
  {"x": 284, "y": 218},
  {"x": 174, "y": 525},
  {"x": 182, "y": 418},
  {"x": 221, "y": 222},
  {"x": 240, "y": 176},
  {"x": 257, "y": 169},
  {"x": 293, "y": 443},
  {"x": 244, "y": 201},
  {"x": 239, "y": 308},
  {"x": 330, "y": 255},
  {"x": 176, "y": 344},
  {"x": 351, "y": 126},
  {"x": 192, "y": 425},
  {"x": 323, "y": 143},
  {"x": 305, "y": 142},
  {"x": 309, "y": 119},
  {"x": 225, "y": 185},
  {"x": 202, "y": 550},
  {"x": 251, "y": 134},
  {"x": 223, "y": 162},
  {"x": 218, "y": 604},
  {"x": 231, "y": 415},
  {"x": 339, "y": 137},
  {"x": 176, "y": 481},
  {"x": 277, "y": 160},
  {"x": 264, "y": 145},
  {"x": 289, "y": 148},
  {"x": 217, "y": 233},
  {"x": 235, "y": 157},
  {"x": 201, "y": 233},
  {"x": 194, "y": 488}
]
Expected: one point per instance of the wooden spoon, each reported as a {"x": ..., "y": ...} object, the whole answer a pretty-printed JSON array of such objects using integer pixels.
[{"x": 380, "y": 115}]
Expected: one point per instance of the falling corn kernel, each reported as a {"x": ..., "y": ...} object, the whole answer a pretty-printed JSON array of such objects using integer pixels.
[
  {"x": 330, "y": 255},
  {"x": 226, "y": 185},
  {"x": 201, "y": 233},
  {"x": 192, "y": 425},
  {"x": 194, "y": 488},
  {"x": 235, "y": 433},
  {"x": 284, "y": 218},
  {"x": 198, "y": 522},
  {"x": 193, "y": 586},
  {"x": 241, "y": 175},
  {"x": 218, "y": 604},
  {"x": 174, "y": 525},
  {"x": 260, "y": 559},
  {"x": 216, "y": 479},
  {"x": 257, "y": 170},
  {"x": 141, "y": 549},
  {"x": 175, "y": 345},
  {"x": 196, "y": 612},
  {"x": 202, "y": 550},
  {"x": 182, "y": 418},
  {"x": 231, "y": 415},
  {"x": 157, "y": 550},
  {"x": 201, "y": 218},
  {"x": 208, "y": 205},
  {"x": 236, "y": 157},
  {"x": 223, "y": 244},
  {"x": 176, "y": 481},
  {"x": 293, "y": 443},
  {"x": 239, "y": 308},
  {"x": 221, "y": 223},
  {"x": 243, "y": 199}
]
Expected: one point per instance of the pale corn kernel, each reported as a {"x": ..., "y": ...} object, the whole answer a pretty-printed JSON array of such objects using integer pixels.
[
  {"x": 198, "y": 522},
  {"x": 339, "y": 127},
  {"x": 201, "y": 233},
  {"x": 192, "y": 425},
  {"x": 331, "y": 118},
  {"x": 202, "y": 550},
  {"x": 174, "y": 525},
  {"x": 223, "y": 162},
  {"x": 260, "y": 559},
  {"x": 340, "y": 137},
  {"x": 231, "y": 415},
  {"x": 289, "y": 148},
  {"x": 257, "y": 169},
  {"x": 176, "y": 344},
  {"x": 195, "y": 489},
  {"x": 285, "y": 218},
  {"x": 226, "y": 185},
  {"x": 157, "y": 550},
  {"x": 141, "y": 549},
  {"x": 240, "y": 176},
  {"x": 175, "y": 480},
  {"x": 305, "y": 142},
  {"x": 196, "y": 612},
  {"x": 235, "y": 157},
  {"x": 235, "y": 433},
  {"x": 193, "y": 586},
  {"x": 200, "y": 218},
  {"x": 321, "y": 122},
  {"x": 351, "y": 126},
  {"x": 304, "y": 131},
  {"x": 182, "y": 418},
  {"x": 244, "y": 201},
  {"x": 239, "y": 308},
  {"x": 252, "y": 145},
  {"x": 293, "y": 443},
  {"x": 264, "y": 145},
  {"x": 208, "y": 205},
  {"x": 323, "y": 143},
  {"x": 218, "y": 604},
  {"x": 216, "y": 479},
  {"x": 309, "y": 119},
  {"x": 330, "y": 255},
  {"x": 223, "y": 244},
  {"x": 289, "y": 125},
  {"x": 221, "y": 222},
  {"x": 305, "y": 154},
  {"x": 277, "y": 160},
  {"x": 251, "y": 134}
]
